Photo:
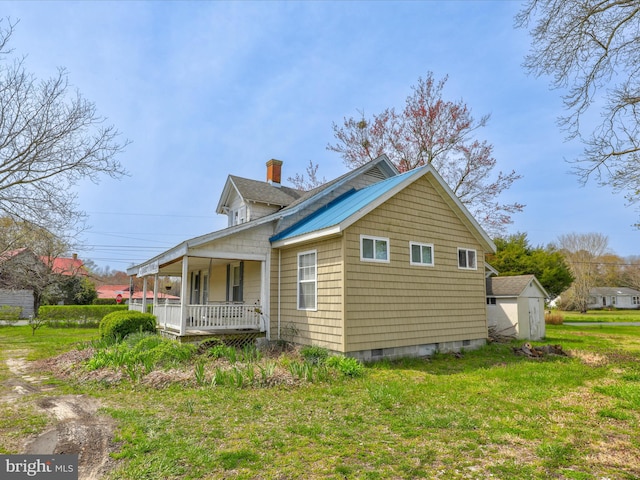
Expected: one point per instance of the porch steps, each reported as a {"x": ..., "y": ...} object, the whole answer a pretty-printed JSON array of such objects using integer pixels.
[{"x": 236, "y": 338}]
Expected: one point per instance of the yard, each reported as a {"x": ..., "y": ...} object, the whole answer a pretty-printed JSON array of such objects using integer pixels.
[{"x": 482, "y": 414}]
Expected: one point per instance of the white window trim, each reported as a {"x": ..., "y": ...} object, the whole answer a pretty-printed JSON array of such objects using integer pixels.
[
  {"x": 376, "y": 260},
  {"x": 475, "y": 257},
  {"x": 421, "y": 264},
  {"x": 315, "y": 280}
]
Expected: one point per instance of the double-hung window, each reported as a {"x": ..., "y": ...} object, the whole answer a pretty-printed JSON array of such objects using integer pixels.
[
  {"x": 421, "y": 254},
  {"x": 467, "y": 259},
  {"x": 374, "y": 249},
  {"x": 307, "y": 281}
]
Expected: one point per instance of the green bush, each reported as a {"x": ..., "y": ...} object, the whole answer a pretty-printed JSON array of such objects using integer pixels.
[
  {"x": 348, "y": 366},
  {"x": 105, "y": 301},
  {"x": 120, "y": 324},
  {"x": 9, "y": 313},
  {"x": 314, "y": 354}
]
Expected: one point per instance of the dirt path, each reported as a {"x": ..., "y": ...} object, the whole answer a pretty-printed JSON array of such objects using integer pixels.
[{"x": 78, "y": 428}]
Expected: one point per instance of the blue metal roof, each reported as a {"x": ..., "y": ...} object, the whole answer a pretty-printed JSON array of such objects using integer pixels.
[{"x": 342, "y": 207}]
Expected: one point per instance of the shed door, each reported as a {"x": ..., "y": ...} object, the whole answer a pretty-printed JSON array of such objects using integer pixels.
[{"x": 534, "y": 319}]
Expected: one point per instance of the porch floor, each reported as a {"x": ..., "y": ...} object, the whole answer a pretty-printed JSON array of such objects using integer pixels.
[{"x": 229, "y": 337}]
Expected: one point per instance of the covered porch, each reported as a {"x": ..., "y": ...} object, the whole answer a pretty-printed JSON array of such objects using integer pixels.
[{"x": 220, "y": 292}]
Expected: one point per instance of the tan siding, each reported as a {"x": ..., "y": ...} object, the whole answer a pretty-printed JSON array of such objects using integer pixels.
[
  {"x": 251, "y": 287},
  {"x": 218, "y": 283},
  {"x": 324, "y": 326},
  {"x": 251, "y": 279},
  {"x": 395, "y": 304}
]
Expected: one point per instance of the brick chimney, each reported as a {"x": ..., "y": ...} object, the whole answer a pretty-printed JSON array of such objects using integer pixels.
[{"x": 274, "y": 172}]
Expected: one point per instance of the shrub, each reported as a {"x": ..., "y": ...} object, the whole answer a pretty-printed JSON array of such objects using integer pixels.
[
  {"x": 314, "y": 354},
  {"x": 105, "y": 301},
  {"x": 10, "y": 314},
  {"x": 553, "y": 318},
  {"x": 120, "y": 324},
  {"x": 348, "y": 366}
]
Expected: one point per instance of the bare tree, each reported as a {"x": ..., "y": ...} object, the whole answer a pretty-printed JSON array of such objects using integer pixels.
[
  {"x": 632, "y": 272},
  {"x": 15, "y": 234},
  {"x": 50, "y": 138},
  {"x": 582, "y": 252},
  {"x": 592, "y": 49},
  {"x": 310, "y": 181},
  {"x": 431, "y": 130}
]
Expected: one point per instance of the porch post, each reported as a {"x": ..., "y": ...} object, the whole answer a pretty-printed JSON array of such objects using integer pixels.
[
  {"x": 183, "y": 295},
  {"x": 144, "y": 294},
  {"x": 130, "y": 291},
  {"x": 265, "y": 292},
  {"x": 155, "y": 292}
]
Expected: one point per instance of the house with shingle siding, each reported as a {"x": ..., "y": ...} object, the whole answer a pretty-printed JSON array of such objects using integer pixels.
[{"x": 373, "y": 264}]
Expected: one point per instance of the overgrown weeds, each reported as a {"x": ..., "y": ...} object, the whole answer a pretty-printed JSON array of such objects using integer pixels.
[
  {"x": 553, "y": 318},
  {"x": 218, "y": 364}
]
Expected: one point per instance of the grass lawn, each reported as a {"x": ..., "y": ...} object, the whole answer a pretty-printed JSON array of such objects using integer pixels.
[
  {"x": 602, "y": 316},
  {"x": 488, "y": 414}
]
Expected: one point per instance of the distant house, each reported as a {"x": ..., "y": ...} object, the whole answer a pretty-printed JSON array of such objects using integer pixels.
[
  {"x": 113, "y": 291},
  {"x": 615, "y": 297},
  {"x": 66, "y": 266},
  {"x": 515, "y": 306},
  {"x": 23, "y": 273},
  {"x": 17, "y": 269},
  {"x": 373, "y": 264}
]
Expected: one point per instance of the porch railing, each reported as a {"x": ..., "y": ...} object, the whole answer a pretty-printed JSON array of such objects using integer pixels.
[
  {"x": 226, "y": 316},
  {"x": 223, "y": 316}
]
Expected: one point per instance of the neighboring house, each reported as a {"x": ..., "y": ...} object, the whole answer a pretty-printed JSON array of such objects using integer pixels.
[
  {"x": 73, "y": 267},
  {"x": 19, "y": 269},
  {"x": 113, "y": 291},
  {"x": 24, "y": 275},
  {"x": 22, "y": 298},
  {"x": 515, "y": 306},
  {"x": 372, "y": 264},
  {"x": 614, "y": 297}
]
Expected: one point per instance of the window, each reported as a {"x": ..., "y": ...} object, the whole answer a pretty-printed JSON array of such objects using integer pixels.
[
  {"x": 236, "y": 281},
  {"x": 636, "y": 300},
  {"x": 307, "y": 281},
  {"x": 421, "y": 253},
  {"x": 613, "y": 300},
  {"x": 466, "y": 259},
  {"x": 491, "y": 300},
  {"x": 238, "y": 216},
  {"x": 374, "y": 249}
]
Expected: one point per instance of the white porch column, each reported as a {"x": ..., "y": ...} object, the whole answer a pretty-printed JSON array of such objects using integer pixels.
[
  {"x": 144, "y": 294},
  {"x": 265, "y": 292},
  {"x": 130, "y": 291},
  {"x": 155, "y": 292},
  {"x": 183, "y": 295}
]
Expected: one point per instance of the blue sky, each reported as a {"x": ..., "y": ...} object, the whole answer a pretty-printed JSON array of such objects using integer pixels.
[{"x": 207, "y": 89}]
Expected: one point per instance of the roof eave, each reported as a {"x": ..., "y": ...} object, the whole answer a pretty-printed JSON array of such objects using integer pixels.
[{"x": 308, "y": 237}]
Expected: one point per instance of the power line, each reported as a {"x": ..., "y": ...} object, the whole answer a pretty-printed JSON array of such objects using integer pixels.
[{"x": 132, "y": 214}]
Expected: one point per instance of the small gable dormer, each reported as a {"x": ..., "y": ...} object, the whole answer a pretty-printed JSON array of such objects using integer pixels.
[{"x": 243, "y": 199}]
